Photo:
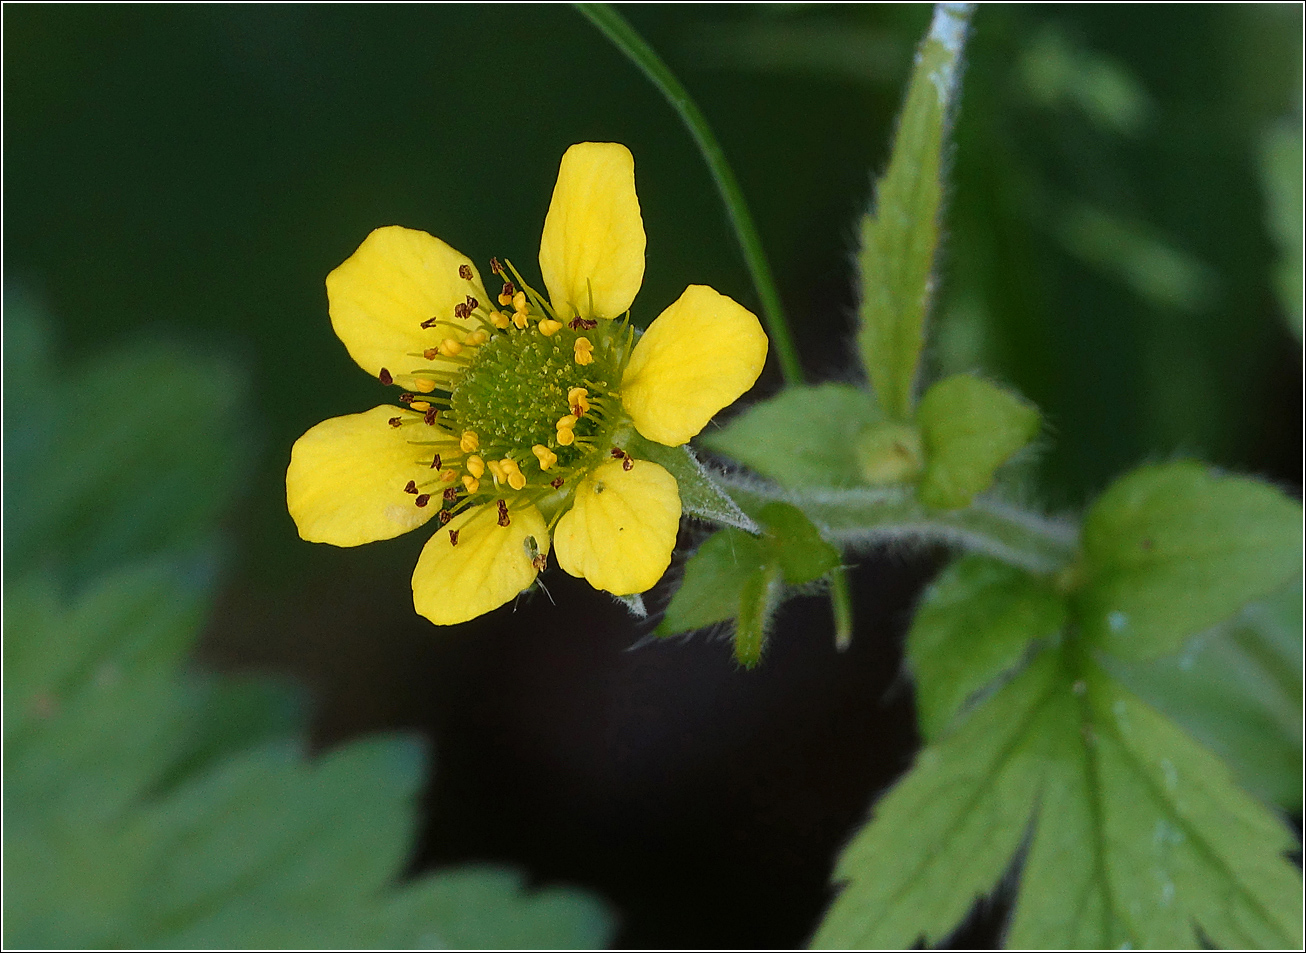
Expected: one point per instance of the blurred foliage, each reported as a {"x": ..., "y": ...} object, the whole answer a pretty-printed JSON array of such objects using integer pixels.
[{"x": 146, "y": 804}]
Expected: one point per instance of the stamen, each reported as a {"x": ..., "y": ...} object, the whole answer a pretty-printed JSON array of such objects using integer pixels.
[
  {"x": 519, "y": 318},
  {"x": 498, "y": 472},
  {"x": 423, "y": 499},
  {"x": 549, "y": 327},
  {"x": 461, "y": 310},
  {"x": 453, "y": 537},
  {"x": 471, "y": 483},
  {"x": 470, "y": 443},
  {"x": 435, "y": 464},
  {"x": 506, "y": 295},
  {"x": 465, "y": 272},
  {"x": 583, "y": 324},
  {"x": 450, "y": 348},
  {"x": 501, "y": 319},
  {"x": 472, "y": 304},
  {"x": 411, "y": 487},
  {"x": 423, "y": 385},
  {"x": 429, "y": 418},
  {"x": 519, "y": 302},
  {"x": 556, "y": 484},
  {"x": 451, "y": 494},
  {"x": 628, "y": 463},
  {"x": 495, "y": 266},
  {"x": 617, "y": 453},
  {"x": 584, "y": 351},
  {"x": 445, "y": 517},
  {"x": 420, "y": 405},
  {"x": 566, "y": 437},
  {"x": 503, "y": 514},
  {"x": 546, "y": 456},
  {"x": 396, "y": 421},
  {"x": 566, "y": 422},
  {"x": 578, "y": 401},
  {"x": 477, "y": 338},
  {"x": 475, "y": 466},
  {"x": 385, "y": 378}
]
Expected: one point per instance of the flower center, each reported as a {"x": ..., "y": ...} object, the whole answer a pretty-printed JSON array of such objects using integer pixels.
[{"x": 517, "y": 388}]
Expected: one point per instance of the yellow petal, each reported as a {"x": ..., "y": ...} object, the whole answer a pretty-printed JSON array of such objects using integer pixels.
[
  {"x": 700, "y": 355},
  {"x": 621, "y": 530},
  {"x": 345, "y": 484},
  {"x": 489, "y": 565},
  {"x": 593, "y": 242},
  {"x": 398, "y": 278}
]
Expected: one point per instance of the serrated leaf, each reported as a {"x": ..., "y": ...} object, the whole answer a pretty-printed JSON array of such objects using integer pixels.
[
  {"x": 715, "y": 577},
  {"x": 1143, "y": 839},
  {"x": 946, "y": 832},
  {"x": 899, "y": 239},
  {"x": 1172, "y": 549},
  {"x": 488, "y": 908},
  {"x": 976, "y": 622},
  {"x": 804, "y": 436},
  {"x": 1237, "y": 689},
  {"x": 969, "y": 428},
  {"x": 795, "y": 545},
  {"x": 699, "y": 494}
]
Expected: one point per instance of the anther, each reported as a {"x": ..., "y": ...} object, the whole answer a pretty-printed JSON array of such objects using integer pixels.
[
  {"x": 578, "y": 401},
  {"x": 583, "y": 324},
  {"x": 566, "y": 437},
  {"x": 505, "y": 296},
  {"x": 519, "y": 302},
  {"x": 396, "y": 421},
  {"x": 385, "y": 378},
  {"x": 411, "y": 488},
  {"x": 453, "y": 537},
  {"x": 475, "y": 466},
  {"x": 420, "y": 406},
  {"x": 498, "y": 472},
  {"x": 451, "y": 494},
  {"x": 617, "y": 453},
  {"x": 556, "y": 484},
  {"x": 435, "y": 464},
  {"x": 429, "y": 418},
  {"x": 519, "y": 319},
  {"x": 445, "y": 516},
  {"x": 423, "y": 385},
  {"x": 501, "y": 320},
  {"x": 472, "y": 304},
  {"x": 471, "y": 483},
  {"x": 503, "y": 514},
  {"x": 470, "y": 443},
  {"x": 546, "y": 456},
  {"x": 477, "y": 338},
  {"x": 405, "y": 398},
  {"x": 430, "y": 353},
  {"x": 465, "y": 272},
  {"x": 549, "y": 327},
  {"x": 495, "y": 266},
  {"x": 449, "y": 347},
  {"x": 584, "y": 351},
  {"x": 422, "y": 499},
  {"x": 430, "y": 322},
  {"x": 628, "y": 463},
  {"x": 461, "y": 310}
]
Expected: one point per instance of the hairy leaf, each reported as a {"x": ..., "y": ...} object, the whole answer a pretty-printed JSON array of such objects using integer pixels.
[
  {"x": 975, "y": 622},
  {"x": 699, "y": 494},
  {"x": 1172, "y": 549},
  {"x": 970, "y": 428},
  {"x": 899, "y": 238},
  {"x": 804, "y": 436}
]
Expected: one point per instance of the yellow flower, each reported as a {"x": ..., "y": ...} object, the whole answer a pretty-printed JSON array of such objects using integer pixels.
[{"x": 500, "y": 396}]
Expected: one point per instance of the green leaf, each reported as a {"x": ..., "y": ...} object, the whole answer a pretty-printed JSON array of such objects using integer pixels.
[
  {"x": 757, "y": 604},
  {"x": 1143, "y": 839},
  {"x": 946, "y": 832},
  {"x": 715, "y": 577},
  {"x": 977, "y": 621},
  {"x": 1237, "y": 689},
  {"x": 804, "y": 436},
  {"x": 485, "y": 908},
  {"x": 159, "y": 433},
  {"x": 1281, "y": 161},
  {"x": 795, "y": 545},
  {"x": 1172, "y": 549},
  {"x": 899, "y": 239},
  {"x": 699, "y": 494},
  {"x": 970, "y": 428}
]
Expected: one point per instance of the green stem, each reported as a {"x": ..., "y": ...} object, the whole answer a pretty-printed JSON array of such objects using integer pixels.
[
  {"x": 616, "y": 28},
  {"x": 864, "y": 517},
  {"x": 842, "y": 603}
]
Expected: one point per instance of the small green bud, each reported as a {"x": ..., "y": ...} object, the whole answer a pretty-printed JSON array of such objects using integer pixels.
[{"x": 889, "y": 453}]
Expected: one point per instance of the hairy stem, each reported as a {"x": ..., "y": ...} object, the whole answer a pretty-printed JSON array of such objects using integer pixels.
[
  {"x": 861, "y": 518},
  {"x": 616, "y": 28}
]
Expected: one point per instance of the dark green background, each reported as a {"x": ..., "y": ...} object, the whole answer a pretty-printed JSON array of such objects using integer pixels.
[{"x": 193, "y": 172}]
